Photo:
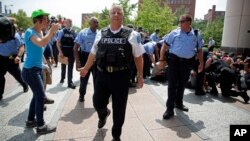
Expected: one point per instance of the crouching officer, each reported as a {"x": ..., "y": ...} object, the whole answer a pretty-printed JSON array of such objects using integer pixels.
[
  {"x": 11, "y": 52},
  {"x": 114, "y": 49}
]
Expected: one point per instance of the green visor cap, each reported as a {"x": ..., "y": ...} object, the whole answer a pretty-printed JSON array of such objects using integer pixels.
[{"x": 38, "y": 13}]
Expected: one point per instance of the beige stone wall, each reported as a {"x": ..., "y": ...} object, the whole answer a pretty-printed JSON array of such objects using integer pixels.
[{"x": 236, "y": 26}]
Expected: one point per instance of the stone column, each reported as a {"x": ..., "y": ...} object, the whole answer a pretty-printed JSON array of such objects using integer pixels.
[{"x": 236, "y": 31}]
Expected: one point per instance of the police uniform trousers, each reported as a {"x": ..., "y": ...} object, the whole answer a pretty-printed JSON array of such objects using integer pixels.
[
  {"x": 68, "y": 52},
  {"x": 228, "y": 77},
  {"x": 146, "y": 65},
  {"x": 133, "y": 71},
  {"x": 178, "y": 74},
  {"x": 8, "y": 65},
  {"x": 84, "y": 80},
  {"x": 113, "y": 84},
  {"x": 55, "y": 52},
  {"x": 199, "y": 82}
]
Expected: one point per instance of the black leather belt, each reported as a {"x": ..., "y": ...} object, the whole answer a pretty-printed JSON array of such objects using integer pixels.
[
  {"x": 177, "y": 58},
  {"x": 111, "y": 69}
]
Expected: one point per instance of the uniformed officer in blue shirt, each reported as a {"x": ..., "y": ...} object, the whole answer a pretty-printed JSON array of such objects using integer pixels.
[
  {"x": 154, "y": 36},
  {"x": 65, "y": 44},
  {"x": 181, "y": 44},
  {"x": 10, "y": 56},
  {"x": 85, "y": 40},
  {"x": 148, "y": 57}
]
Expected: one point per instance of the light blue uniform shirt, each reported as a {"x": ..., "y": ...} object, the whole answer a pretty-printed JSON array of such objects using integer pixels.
[
  {"x": 11, "y": 47},
  {"x": 182, "y": 44},
  {"x": 154, "y": 37},
  {"x": 34, "y": 53},
  {"x": 85, "y": 39},
  {"x": 150, "y": 47}
]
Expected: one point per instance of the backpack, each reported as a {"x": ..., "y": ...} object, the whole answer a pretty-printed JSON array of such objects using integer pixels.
[{"x": 7, "y": 30}]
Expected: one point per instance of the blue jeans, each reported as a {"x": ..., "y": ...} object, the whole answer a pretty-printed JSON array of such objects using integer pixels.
[{"x": 33, "y": 77}]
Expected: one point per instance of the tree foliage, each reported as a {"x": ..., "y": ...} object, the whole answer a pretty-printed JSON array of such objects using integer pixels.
[
  {"x": 128, "y": 10},
  {"x": 103, "y": 17},
  {"x": 179, "y": 11},
  {"x": 213, "y": 29},
  {"x": 22, "y": 20},
  {"x": 151, "y": 16}
]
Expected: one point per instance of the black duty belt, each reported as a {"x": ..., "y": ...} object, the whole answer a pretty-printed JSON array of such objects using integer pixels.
[
  {"x": 177, "y": 58},
  {"x": 111, "y": 69}
]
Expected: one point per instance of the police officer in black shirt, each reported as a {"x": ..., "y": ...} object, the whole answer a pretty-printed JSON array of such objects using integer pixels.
[
  {"x": 226, "y": 75},
  {"x": 114, "y": 49},
  {"x": 65, "y": 44}
]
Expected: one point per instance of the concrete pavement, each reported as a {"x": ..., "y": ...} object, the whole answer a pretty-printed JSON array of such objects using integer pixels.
[{"x": 208, "y": 118}]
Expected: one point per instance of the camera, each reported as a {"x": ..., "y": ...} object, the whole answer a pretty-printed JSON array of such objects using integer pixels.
[{"x": 53, "y": 20}]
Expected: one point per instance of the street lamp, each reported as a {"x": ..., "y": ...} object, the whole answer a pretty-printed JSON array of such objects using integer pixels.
[{"x": 6, "y": 9}]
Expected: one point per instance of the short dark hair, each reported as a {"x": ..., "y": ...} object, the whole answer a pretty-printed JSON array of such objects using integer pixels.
[{"x": 187, "y": 17}]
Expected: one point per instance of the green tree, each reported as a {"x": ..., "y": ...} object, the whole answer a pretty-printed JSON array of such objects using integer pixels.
[
  {"x": 76, "y": 28},
  {"x": 151, "y": 16},
  {"x": 199, "y": 24},
  {"x": 179, "y": 11},
  {"x": 103, "y": 18},
  {"x": 22, "y": 20},
  {"x": 128, "y": 10},
  {"x": 215, "y": 30}
]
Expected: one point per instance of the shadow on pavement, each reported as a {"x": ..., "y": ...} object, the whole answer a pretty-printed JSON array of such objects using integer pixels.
[
  {"x": 100, "y": 134},
  {"x": 77, "y": 115},
  {"x": 196, "y": 126},
  {"x": 194, "y": 99},
  {"x": 132, "y": 90},
  {"x": 5, "y": 101},
  {"x": 181, "y": 131},
  {"x": 27, "y": 135},
  {"x": 19, "y": 119},
  {"x": 57, "y": 89}
]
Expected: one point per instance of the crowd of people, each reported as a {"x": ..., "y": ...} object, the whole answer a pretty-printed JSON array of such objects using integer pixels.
[{"x": 118, "y": 57}]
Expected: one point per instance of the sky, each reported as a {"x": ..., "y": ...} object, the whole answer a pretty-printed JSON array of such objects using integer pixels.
[{"x": 73, "y": 8}]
